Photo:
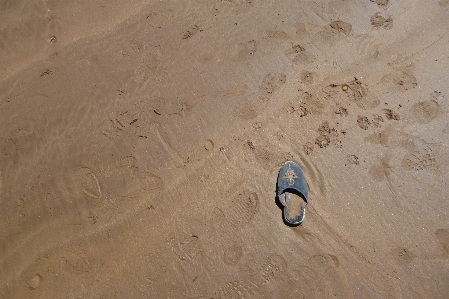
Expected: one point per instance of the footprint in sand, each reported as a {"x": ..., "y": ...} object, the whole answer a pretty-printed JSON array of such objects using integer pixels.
[
  {"x": 233, "y": 254},
  {"x": 35, "y": 282},
  {"x": 274, "y": 267},
  {"x": 443, "y": 237},
  {"x": 271, "y": 83},
  {"x": 400, "y": 79},
  {"x": 424, "y": 112},
  {"x": 243, "y": 208},
  {"x": 237, "y": 289}
]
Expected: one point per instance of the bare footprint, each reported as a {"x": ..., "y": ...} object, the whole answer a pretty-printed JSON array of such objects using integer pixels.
[{"x": 443, "y": 237}]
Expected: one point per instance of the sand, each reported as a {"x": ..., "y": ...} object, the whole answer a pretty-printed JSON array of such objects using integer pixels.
[{"x": 140, "y": 143}]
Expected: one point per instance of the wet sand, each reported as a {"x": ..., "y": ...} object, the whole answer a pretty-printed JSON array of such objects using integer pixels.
[{"x": 140, "y": 143}]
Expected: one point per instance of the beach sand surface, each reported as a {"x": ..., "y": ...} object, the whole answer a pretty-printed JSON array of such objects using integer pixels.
[{"x": 140, "y": 143}]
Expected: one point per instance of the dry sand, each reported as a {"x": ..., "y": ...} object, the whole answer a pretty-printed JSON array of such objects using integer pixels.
[{"x": 140, "y": 143}]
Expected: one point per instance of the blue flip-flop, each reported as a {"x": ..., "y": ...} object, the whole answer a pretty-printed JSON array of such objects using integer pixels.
[{"x": 292, "y": 192}]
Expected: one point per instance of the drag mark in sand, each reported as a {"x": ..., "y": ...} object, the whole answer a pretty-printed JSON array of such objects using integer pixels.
[
  {"x": 229, "y": 92},
  {"x": 174, "y": 155}
]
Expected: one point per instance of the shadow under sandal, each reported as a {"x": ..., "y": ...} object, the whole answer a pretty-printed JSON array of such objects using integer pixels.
[{"x": 292, "y": 192}]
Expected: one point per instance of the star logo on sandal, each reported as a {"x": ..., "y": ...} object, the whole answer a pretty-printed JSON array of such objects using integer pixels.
[{"x": 290, "y": 175}]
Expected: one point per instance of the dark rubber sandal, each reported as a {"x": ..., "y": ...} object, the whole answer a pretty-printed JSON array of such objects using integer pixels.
[{"x": 292, "y": 192}]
